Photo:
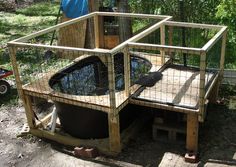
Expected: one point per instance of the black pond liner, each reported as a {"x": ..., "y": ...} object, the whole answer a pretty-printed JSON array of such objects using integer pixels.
[{"x": 89, "y": 77}]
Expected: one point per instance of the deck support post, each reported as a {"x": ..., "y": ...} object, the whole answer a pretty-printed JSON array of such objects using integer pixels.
[
  {"x": 192, "y": 132},
  {"x": 113, "y": 115},
  {"x": 25, "y": 98}
]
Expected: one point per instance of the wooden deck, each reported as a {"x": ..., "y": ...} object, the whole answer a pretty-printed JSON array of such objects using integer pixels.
[
  {"x": 41, "y": 88},
  {"x": 177, "y": 90}
]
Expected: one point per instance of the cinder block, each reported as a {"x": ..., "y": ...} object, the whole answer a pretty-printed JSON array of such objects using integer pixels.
[
  {"x": 91, "y": 152},
  {"x": 191, "y": 157}
]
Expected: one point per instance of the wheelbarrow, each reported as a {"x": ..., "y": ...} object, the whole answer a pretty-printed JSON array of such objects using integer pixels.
[{"x": 4, "y": 85}]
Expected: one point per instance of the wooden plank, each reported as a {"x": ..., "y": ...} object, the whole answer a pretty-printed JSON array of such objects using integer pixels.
[
  {"x": 25, "y": 99},
  {"x": 178, "y": 49},
  {"x": 43, "y": 122},
  {"x": 163, "y": 37},
  {"x": 29, "y": 112},
  {"x": 202, "y": 90},
  {"x": 113, "y": 116},
  {"x": 101, "y": 144},
  {"x": 192, "y": 132},
  {"x": 96, "y": 31},
  {"x": 127, "y": 71},
  {"x": 193, "y": 25},
  {"x": 162, "y": 106},
  {"x": 114, "y": 132},
  {"x": 170, "y": 42},
  {"x": 142, "y": 16},
  {"x": 60, "y": 48},
  {"x": 68, "y": 36},
  {"x": 110, "y": 41},
  {"x": 213, "y": 40},
  {"x": 139, "y": 36},
  {"x": 52, "y": 28}
]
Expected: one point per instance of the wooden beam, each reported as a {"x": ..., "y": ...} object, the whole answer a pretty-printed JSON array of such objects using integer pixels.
[
  {"x": 60, "y": 48},
  {"x": 101, "y": 144},
  {"x": 166, "y": 48},
  {"x": 221, "y": 73},
  {"x": 163, "y": 41},
  {"x": 139, "y": 36},
  {"x": 193, "y": 25},
  {"x": 202, "y": 89},
  {"x": 127, "y": 71},
  {"x": 162, "y": 106},
  {"x": 113, "y": 116},
  {"x": 142, "y": 16},
  {"x": 213, "y": 40},
  {"x": 25, "y": 99},
  {"x": 192, "y": 133},
  {"x": 29, "y": 112},
  {"x": 96, "y": 31},
  {"x": 170, "y": 42},
  {"x": 52, "y": 28}
]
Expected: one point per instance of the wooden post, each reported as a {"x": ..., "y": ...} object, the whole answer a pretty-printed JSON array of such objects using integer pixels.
[
  {"x": 202, "y": 90},
  {"x": 113, "y": 116},
  {"x": 170, "y": 33},
  {"x": 192, "y": 132},
  {"x": 162, "y": 29},
  {"x": 96, "y": 31},
  {"x": 25, "y": 99},
  {"x": 127, "y": 71}
]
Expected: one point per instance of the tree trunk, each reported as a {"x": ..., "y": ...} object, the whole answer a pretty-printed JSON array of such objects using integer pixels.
[{"x": 125, "y": 28}]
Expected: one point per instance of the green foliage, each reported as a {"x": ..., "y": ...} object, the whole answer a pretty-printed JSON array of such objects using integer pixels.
[{"x": 226, "y": 15}]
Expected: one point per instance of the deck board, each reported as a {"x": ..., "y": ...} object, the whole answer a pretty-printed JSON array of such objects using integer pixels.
[{"x": 177, "y": 87}]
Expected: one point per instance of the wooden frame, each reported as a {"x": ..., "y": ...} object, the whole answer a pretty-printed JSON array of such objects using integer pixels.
[{"x": 114, "y": 143}]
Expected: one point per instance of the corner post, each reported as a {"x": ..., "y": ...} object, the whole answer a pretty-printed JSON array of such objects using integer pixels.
[
  {"x": 127, "y": 71},
  {"x": 113, "y": 115},
  {"x": 202, "y": 90},
  {"x": 25, "y": 98},
  {"x": 222, "y": 62}
]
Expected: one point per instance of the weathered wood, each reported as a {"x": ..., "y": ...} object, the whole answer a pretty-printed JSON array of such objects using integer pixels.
[
  {"x": 101, "y": 144},
  {"x": 72, "y": 35},
  {"x": 213, "y": 40},
  {"x": 113, "y": 116},
  {"x": 193, "y": 25},
  {"x": 25, "y": 99},
  {"x": 192, "y": 132},
  {"x": 60, "y": 48},
  {"x": 142, "y": 16},
  {"x": 163, "y": 36},
  {"x": 177, "y": 49},
  {"x": 52, "y": 28},
  {"x": 110, "y": 41},
  {"x": 96, "y": 31},
  {"x": 127, "y": 71},
  {"x": 140, "y": 35},
  {"x": 170, "y": 42},
  {"x": 202, "y": 85}
]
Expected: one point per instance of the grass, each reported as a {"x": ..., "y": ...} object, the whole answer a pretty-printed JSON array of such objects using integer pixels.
[{"x": 20, "y": 23}]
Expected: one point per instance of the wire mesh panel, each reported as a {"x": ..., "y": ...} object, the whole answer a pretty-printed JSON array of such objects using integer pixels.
[{"x": 180, "y": 47}]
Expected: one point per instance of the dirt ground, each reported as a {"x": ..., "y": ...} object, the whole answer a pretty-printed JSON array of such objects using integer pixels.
[{"x": 217, "y": 142}]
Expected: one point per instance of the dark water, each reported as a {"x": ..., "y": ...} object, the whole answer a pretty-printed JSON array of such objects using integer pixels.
[{"x": 90, "y": 76}]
